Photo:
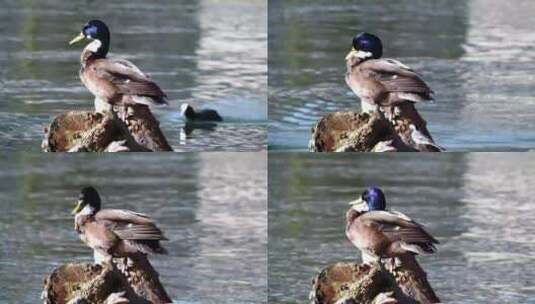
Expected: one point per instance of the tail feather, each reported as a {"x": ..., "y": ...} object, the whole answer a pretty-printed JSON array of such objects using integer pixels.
[
  {"x": 148, "y": 247},
  {"x": 419, "y": 248},
  {"x": 148, "y": 100}
]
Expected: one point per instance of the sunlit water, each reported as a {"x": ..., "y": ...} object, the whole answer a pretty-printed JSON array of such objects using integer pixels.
[
  {"x": 211, "y": 54},
  {"x": 477, "y": 55},
  {"x": 479, "y": 207},
  {"x": 211, "y": 206}
]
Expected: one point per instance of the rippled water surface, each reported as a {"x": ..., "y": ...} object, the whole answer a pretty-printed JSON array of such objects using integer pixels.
[
  {"x": 211, "y": 54},
  {"x": 479, "y": 206},
  {"x": 477, "y": 55},
  {"x": 211, "y": 206}
]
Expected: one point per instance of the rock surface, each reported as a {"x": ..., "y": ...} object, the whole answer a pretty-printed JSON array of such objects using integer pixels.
[
  {"x": 362, "y": 132},
  {"x": 132, "y": 281},
  {"x": 362, "y": 283},
  {"x": 78, "y": 131}
]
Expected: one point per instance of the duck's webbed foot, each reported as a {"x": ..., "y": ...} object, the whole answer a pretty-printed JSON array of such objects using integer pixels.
[
  {"x": 390, "y": 264},
  {"x": 392, "y": 113},
  {"x": 381, "y": 265}
]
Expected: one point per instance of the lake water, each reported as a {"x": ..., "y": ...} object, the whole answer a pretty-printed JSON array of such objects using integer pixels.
[
  {"x": 479, "y": 206},
  {"x": 211, "y": 206},
  {"x": 209, "y": 53},
  {"x": 477, "y": 55}
]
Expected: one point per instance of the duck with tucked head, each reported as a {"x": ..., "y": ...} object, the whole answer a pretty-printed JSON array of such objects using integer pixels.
[
  {"x": 192, "y": 115},
  {"x": 113, "y": 81},
  {"x": 380, "y": 82},
  {"x": 114, "y": 232},
  {"x": 379, "y": 233}
]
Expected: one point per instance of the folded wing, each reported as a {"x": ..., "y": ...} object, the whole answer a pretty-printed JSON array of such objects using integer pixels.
[
  {"x": 128, "y": 79},
  {"x": 129, "y": 225},
  {"x": 398, "y": 227},
  {"x": 398, "y": 78}
]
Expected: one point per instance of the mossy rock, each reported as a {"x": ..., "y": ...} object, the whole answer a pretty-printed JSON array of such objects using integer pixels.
[{"x": 361, "y": 283}]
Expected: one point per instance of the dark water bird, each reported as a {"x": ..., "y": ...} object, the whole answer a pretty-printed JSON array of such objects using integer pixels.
[
  {"x": 190, "y": 114},
  {"x": 381, "y": 82},
  {"x": 113, "y": 81},
  {"x": 114, "y": 232},
  {"x": 379, "y": 233}
]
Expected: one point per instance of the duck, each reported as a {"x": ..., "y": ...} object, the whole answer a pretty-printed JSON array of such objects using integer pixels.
[
  {"x": 191, "y": 115},
  {"x": 382, "y": 82},
  {"x": 113, "y": 233},
  {"x": 113, "y": 81},
  {"x": 382, "y": 234}
]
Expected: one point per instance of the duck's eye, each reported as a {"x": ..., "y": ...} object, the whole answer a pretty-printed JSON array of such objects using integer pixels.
[{"x": 90, "y": 31}]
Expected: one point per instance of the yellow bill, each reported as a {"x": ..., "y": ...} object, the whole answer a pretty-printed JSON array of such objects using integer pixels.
[
  {"x": 352, "y": 53},
  {"x": 77, "y": 38},
  {"x": 359, "y": 205},
  {"x": 78, "y": 207},
  {"x": 356, "y": 202}
]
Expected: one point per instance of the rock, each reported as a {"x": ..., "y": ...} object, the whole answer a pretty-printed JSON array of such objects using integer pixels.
[
  {"x": 354, "y": 132},
  {"x": 145, "y": 128},
  {"x": 124, "y": 281},
  {"x": 361, "y": 283},
  {"x": 362, "y": 132},
  {"x": 78, "y": 131}
]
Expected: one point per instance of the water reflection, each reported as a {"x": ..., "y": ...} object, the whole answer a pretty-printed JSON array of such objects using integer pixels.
[
  {"x": 189, "y": 127},
  {"x": 474, "y": 54},
  {"x": 217, "y": 231},
  {"x": 188, "y": 47},
  {"x": 477, "y": 205}
]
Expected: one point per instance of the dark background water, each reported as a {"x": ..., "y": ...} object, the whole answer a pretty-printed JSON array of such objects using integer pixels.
[
  {"x": 477, "y": 55},
  {"x": 479, "y": 206},
  {"x": 211, "y": 206},
  {"x": 209, "y": 53}
]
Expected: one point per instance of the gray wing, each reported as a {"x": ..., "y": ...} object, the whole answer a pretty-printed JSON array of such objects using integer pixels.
[
  {"x": 397, "y": 226},
  {"x": 128, "y": 78},
  {"x": 397, "y": 77},
  {"x": 129, "y": 225}
]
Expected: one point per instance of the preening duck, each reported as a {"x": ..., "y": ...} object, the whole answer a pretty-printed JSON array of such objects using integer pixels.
[
  {"x": 112, "y": 81},
  {"x": 114, "y": 232},
  {"x": 379, "y": 233},
  {"x": 380, "y": 82}
]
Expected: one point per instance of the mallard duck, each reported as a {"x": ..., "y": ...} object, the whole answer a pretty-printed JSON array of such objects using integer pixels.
[
  {"x": 190, "y": 114},
  {"x": 113, "y": 81},
  {"x": 114, "y": 232},
  {"x": 379, "y": 233},
  {"x": 381, "y": 82}
]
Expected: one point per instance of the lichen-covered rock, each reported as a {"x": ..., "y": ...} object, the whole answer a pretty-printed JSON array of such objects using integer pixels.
[
  {"x": 362, "y": 132},
  {"x": 79, "y": 131},
  {"x": 124, "y": 281},
  {"x": 74, "y": 283},
  {"x": 354, "y": 132},
  {"x": 361, "y": 283}
]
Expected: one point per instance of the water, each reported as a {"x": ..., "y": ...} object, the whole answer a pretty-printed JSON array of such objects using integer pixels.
[
  {"x": 477, "y": 55},
  {"x": 199, "y": 52},
  {"x": 479, "y": 206},
  {"x": 211, "y": 206}
]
